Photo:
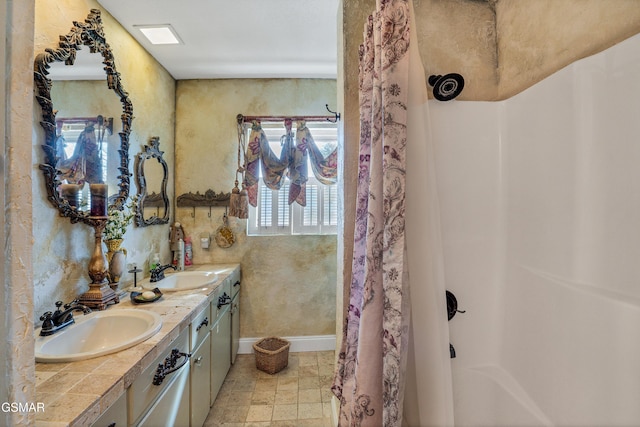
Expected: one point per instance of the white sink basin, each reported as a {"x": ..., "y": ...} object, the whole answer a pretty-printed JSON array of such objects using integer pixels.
[
  {"x": 182, "y": 281},
  {"x": 96, "y": 334}
]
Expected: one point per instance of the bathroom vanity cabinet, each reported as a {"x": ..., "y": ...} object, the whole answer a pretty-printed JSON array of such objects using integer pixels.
[
  {"x": 204, "y": 328},
  {"x": 211, "y": 338}
]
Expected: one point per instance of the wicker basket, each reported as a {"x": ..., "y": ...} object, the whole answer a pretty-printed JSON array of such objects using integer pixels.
[{"x": 272, "y": 354}]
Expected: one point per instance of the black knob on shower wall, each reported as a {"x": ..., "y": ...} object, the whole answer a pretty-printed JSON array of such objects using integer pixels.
[
  {"x": 452, "y": 309},
  {"x": 452, "y": 305},
  {"x": 447, "y": 87}
]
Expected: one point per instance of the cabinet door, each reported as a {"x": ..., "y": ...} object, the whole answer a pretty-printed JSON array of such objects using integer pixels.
[
  {"x": 201, "y": 382},
  {"x": 172, "y": 408},
  {"x": 235, "y": 326},
  {"x": 220, "y": 352}
]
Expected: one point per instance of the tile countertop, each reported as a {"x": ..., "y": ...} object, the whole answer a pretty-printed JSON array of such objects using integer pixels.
[{"x": 77, "y": 393}]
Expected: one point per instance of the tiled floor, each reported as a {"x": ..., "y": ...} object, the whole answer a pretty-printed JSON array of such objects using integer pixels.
[{"x": 297, "y": 396}]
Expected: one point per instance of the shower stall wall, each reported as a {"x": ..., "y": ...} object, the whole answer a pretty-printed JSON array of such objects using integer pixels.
[{"x": 540, "y": 213}]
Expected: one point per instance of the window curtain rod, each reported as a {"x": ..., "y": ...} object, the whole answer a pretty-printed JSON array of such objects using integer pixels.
[{"x": 248, "y": 119}]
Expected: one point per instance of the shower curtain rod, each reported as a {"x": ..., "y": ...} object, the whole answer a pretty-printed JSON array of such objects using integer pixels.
[{"x": 333, "y": 119}]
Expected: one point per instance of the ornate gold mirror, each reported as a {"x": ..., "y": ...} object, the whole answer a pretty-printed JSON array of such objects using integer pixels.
[
  {"x": 80, "y": 93},
  {"x": 152, "y": 175},
  {"x": 86, "y": 169}
]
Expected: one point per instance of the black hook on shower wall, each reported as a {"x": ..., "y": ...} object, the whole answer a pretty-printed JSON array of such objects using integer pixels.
[{"x": 447, "y": 87}]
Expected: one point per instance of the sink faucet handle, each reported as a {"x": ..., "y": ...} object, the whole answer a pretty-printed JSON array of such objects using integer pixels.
[
  {"x": 47, "y": 320},
  {"x": 58, "y": 305},
  {"x": 71, "y": 304}
]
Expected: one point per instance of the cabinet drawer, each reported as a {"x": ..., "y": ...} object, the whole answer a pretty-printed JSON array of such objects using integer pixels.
[
  {"x": 201, "y": 382},
  {"x": 221, "y": 300},
  {"x": 143, "y": 392},
  {"x": 115, "y": 415},
  {"x": 200, "y": 327},
  {"x": 172, "y": 408}
]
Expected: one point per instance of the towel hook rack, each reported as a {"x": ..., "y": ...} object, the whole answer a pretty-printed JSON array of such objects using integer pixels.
[{"x": 335, "y": 114}]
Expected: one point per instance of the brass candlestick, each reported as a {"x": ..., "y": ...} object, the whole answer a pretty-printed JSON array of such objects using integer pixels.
[{"x": 100, "y": 294}]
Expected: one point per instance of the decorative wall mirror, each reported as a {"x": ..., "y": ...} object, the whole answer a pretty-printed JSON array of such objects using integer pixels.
[
  {"x": 152, "y": 175},
  {"x": 78, "y": 87}
]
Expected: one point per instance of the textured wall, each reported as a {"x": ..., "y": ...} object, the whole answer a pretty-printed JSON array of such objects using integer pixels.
[
  {"x": 16, "y": 290},
  {"x": 459, "y": 36},
  {"x": 288, "y": 281},
  {"x": 537, "y": 38},
  {"x": 61, "y": 250},
  {"x": 502, "y": 47}
]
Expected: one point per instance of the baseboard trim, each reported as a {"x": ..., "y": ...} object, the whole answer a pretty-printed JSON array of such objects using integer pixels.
[{"x": 298, "y": 344}]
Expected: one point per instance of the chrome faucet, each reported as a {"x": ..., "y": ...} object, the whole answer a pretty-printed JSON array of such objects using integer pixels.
[
  {"x": 157, "y": 273},
  {"x": 60, "y": 319}
]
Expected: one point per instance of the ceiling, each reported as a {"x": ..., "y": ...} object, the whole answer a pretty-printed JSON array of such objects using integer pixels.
[{"x": 238, "y": 38}]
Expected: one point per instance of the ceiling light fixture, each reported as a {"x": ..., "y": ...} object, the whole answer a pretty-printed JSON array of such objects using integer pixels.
[{"x": 159, "y": 34}]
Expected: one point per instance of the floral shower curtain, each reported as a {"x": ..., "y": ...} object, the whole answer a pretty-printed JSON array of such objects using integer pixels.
[
  {"x": 291, "y": 163},
  {"x": 370, "y": 378}
]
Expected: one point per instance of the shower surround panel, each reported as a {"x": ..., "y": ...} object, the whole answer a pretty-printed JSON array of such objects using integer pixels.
[{"x": 540, "y": 207}]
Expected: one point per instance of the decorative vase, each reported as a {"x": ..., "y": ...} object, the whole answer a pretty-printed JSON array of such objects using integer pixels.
[
  {"x": 117, "y": 259},
  {"x": 113, "y": 245},
  {"x": 117, "y": 265}
]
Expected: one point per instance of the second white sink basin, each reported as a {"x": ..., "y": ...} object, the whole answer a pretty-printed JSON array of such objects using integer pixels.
[
  {"x": 182, "y": 281},
  {"x": 97, "y": 334}
]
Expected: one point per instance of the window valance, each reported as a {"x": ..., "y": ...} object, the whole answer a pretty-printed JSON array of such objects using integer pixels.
[{"x": 297, "y": 153}]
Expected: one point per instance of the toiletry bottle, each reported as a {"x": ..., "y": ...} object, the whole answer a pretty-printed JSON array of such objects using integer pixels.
[
  {"x": 180, "y": 255},
  {"x": 188, "y": 251}
]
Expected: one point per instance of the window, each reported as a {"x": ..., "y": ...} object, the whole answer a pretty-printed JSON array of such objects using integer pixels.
[{"x": 273, "y": 215}]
